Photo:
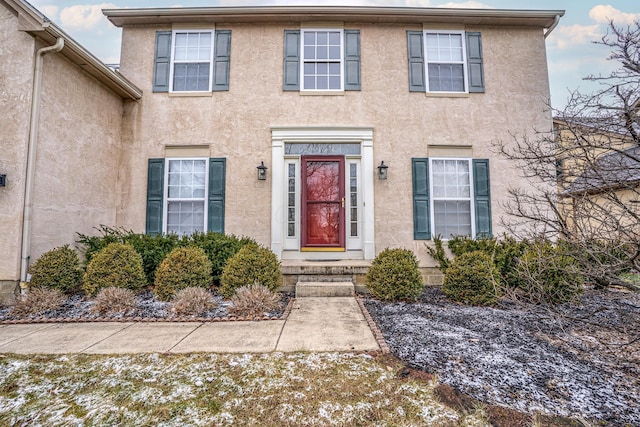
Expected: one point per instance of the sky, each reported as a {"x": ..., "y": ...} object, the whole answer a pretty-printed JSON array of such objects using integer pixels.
[{"x": 571, "y": 52}]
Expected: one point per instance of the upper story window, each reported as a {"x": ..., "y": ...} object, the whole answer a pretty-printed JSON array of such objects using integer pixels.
[
  {"x": 445, "y": 61},
  {"x": 191, "y": 69},
  {"x": 322, "y": 60},
  {"x": 192, "y": 60}
]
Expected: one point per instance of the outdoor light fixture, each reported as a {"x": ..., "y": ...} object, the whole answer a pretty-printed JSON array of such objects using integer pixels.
[
  {"x": 262, "y": 172},
  {"x": 382, "y": 171},
  {"x": 3, "y": 180}
]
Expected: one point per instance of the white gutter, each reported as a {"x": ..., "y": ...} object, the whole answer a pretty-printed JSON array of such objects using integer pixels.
[
  {"x": 31, "y": 157},
  {"x": 552, "y": 27}
]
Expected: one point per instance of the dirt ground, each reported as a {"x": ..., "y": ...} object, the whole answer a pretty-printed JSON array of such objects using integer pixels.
[{"x": 579, "y": 360}]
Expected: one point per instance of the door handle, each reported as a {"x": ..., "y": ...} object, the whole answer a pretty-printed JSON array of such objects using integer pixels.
[{"x": 343, "y": 202}]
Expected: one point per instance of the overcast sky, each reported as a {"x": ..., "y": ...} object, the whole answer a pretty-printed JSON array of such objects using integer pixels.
[{"x": 571, "y": 53}]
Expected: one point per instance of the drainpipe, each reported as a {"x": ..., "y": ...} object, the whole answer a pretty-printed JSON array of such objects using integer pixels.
[
  {"x": 552, "y": 27},
  {"x": 31, "y": 157}
]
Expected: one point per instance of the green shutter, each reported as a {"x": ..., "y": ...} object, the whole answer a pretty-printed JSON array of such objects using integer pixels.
[
  {"x": 155, "y": 194},
  {"x": 217, "y": 170},
  {"x": 221, "y": 60},
  {"x": 421, "y": 203},
  {"x": 291, "y": 60},
  {"x": 162, "y": 61},
  {"x": 415, "y": 53},
  {"x": 351, "y": 59},
  {"x": 474, "y": 62},
  {"x": 482, "y": 197}
]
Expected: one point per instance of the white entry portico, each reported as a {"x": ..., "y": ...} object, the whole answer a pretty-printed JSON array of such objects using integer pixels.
[{"x": 334, "y": 165}]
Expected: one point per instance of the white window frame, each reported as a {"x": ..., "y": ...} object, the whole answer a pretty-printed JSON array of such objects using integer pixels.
[
  {"x": 471, "y": 198},
  {"x": 166, "y": 200},
  {"x": 173, "y": 55},
  {"x": 427, "y": 61},
  {"x": 303, "y": 60}
]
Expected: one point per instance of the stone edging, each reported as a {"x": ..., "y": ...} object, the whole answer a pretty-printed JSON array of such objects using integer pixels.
[
  {"x": 384, "y": 348},
  {"x": 283, "y": 316}
]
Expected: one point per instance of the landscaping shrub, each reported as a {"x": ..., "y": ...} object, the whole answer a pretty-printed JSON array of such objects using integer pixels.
[
  {"x": 192, "y": 301},
  {"x": 114, "y": 300},
  {"x": 37, "y": 301},
  {"x": 254, "y": 301},
  {"x": 116, "y": 265},
  {"x": 253, "y": 264},
  {"x": 184, "y": 267},
  {"x": 152, "y": 248},
  {"x": 472, "y": 278},
  {"x": 548, "y": 275},
  {"x": 438, "y": 253},
  {"x": 219, "y": 248},
  {"x": 394, "y": 275},
  {"x": 58, "y": 268}
]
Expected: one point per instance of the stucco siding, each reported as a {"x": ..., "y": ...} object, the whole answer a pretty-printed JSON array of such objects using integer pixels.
[
  {"x": 15, "y": 97},
  {"x": 78, "y": 156},
  {"x": 237, "y": 124}
]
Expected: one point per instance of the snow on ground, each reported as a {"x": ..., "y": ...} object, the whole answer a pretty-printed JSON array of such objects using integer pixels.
[{"x": 526, "y": 359}]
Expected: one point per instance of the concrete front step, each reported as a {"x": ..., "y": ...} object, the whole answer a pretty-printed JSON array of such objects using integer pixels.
[{"x": 324, "y": 289}]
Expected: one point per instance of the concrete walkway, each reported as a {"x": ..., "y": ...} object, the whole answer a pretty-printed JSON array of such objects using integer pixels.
[{"x": 314, "y": 324}]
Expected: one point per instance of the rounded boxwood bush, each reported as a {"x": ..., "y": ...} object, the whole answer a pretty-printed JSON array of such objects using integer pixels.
[
  {"x": 117, "y": 265},
  {"x": 253, "y": 264},
  {"x": 58, "y": 269},
  {"x": 472, "y": 278},
  {"x": 184, "y": 267},
  {"x": 548, "y": 275},
  {"x": 394, "y": 275}
]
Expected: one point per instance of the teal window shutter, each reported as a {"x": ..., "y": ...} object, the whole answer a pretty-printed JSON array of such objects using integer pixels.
[
  {"x": 217, "y": 170},
  {"x": 474, "y": 62},
  {"x": 162, "y": 61},
  {"x": 291, "y": 60},
  {"x": 155, "y": 195},
  {"x": 482, "y": 197},
  {"x": 221, "y": 60},
  {"x": 416, "y": 61},
  {"x": 351, "y": 59},
  {"x": 421, "y": 202}
]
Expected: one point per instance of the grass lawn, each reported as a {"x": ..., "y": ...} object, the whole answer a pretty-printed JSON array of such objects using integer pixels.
[{"x": 327, "y": 389}]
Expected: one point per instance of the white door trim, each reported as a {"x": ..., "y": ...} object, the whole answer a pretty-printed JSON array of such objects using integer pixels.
[{"x": 282, "y": 135}]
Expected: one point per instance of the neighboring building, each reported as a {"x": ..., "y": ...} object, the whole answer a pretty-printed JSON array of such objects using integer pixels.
[
  {"x": 72, "y": 119},
  {"x": 322, "y": 96}
]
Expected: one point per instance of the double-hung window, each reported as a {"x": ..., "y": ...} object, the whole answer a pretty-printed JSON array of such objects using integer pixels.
[
  {"x": 186, "y": 192},
  {"x": 191, "y": 61},
  {"x": 451, "y": 197},
  {"x": 446, "y": 67},
  {"x": 185, "y": 195},
  {"x": 442, "y": 62},
  {"x": 322, "y": 60}
]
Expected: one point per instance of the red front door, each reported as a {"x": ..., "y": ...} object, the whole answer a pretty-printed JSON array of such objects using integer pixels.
[{"x": 322, "y": 202}]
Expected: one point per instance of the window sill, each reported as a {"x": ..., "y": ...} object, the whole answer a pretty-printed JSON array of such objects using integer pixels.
[
  {"x": 322, "y": 92},
  {"x": 189, "y": 94},
  {"x": 447, "y": 94}
]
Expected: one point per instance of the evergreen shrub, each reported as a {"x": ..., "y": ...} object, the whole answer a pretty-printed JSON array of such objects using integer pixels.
[{"x": 394, "y": 276}]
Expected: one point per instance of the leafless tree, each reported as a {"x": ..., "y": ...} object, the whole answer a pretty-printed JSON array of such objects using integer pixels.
[{"x": 586, "y": 172}]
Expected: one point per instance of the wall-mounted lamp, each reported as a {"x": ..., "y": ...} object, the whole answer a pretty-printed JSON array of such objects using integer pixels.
[
  {"x": 262, "y": 172},
  {"x": 3, "y": 180},
  {"x": 382, "y": 171}
]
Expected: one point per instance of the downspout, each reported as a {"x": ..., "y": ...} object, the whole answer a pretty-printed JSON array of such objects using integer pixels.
[
  {"x": 552, "y": 27},
  {"x": 31, "y": 157}
]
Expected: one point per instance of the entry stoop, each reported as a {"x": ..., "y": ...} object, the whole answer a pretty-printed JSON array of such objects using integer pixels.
[{"x": 325, "y": 289}]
